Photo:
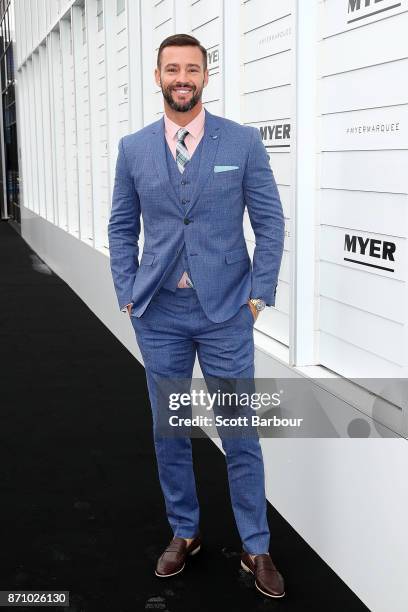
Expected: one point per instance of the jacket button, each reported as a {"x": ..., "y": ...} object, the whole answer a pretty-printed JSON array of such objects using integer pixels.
[{"x": 186, "y": 221}]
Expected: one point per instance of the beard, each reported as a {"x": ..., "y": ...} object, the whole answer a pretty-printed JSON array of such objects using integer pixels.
[{"x": 182, "y": 107}]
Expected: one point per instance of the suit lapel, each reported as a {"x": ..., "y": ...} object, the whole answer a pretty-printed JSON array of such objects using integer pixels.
[
  {"x": 211, "y": 139},
  {"x": 160, "y": 160}
]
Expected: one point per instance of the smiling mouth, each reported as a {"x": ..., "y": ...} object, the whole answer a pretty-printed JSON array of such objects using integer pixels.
[{"x": 181, "y": 91}]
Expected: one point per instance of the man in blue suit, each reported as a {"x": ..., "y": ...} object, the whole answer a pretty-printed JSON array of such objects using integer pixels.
[{"x": 190, "y": 175}]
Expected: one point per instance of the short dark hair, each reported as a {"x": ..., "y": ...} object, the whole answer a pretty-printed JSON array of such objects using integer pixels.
[{"x": 182, "y": 40}]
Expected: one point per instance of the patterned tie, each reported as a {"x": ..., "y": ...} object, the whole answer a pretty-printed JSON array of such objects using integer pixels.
[{"x": 182, "y": 156}]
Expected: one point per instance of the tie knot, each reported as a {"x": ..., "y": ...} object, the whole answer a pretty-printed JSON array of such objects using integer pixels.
[{"x": 181, "y": 134}]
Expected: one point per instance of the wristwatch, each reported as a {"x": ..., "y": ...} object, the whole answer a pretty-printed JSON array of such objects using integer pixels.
[{"x": 258, "y": 303}]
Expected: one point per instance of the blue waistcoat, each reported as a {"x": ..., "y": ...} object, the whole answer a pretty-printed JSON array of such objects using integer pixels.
[{"x": 184, "y": 193}]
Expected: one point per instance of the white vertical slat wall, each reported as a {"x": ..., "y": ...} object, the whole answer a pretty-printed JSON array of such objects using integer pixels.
[
  {"x": 46, "y": 134},
  {"x": 101, "y": 220},
  {"x": 70, "y": 136},
  {"x": 86, "y": 79},
  {"x": 117, "y": 66},
  {"x": 163, "y": 25},
  {"x": 81, "y": 92},
  {"x": 363, "y": 99},
  {"x": 59, "y": 152},
  {"x": 51, "y": 170},
  {"x": 39, "y": 131},
  {"x": 32, "y": 195},
  {"x": 207, "y": 26},
  {"x": 266, "y": 101}
]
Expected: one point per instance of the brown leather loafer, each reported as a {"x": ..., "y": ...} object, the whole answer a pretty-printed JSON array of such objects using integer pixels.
[
  {"x": 173, "y": 560},
  {"x": 267, "y": 578}
]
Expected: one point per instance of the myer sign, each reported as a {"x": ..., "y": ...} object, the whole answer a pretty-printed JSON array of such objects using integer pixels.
[
  {"x": 275, "y": 135},
  {"x": 370, "y": 250},
  {"x": 358, "y": 10},
  {"x": 213, "y": 58}
]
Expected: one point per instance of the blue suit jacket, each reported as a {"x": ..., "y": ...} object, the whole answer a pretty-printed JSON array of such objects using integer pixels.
[{"x": 234, "y": 172}]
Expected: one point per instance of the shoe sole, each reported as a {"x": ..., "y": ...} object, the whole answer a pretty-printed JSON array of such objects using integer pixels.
[
  {"x": 248, "y": 570},
  {"x": 193, "y": 552}
]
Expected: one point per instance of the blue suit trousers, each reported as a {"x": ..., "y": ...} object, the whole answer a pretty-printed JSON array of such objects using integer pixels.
[{"x": 170, "y": 332}]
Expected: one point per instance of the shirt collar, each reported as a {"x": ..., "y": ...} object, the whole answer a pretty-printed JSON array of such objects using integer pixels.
[{"x": 195, "y": 126}]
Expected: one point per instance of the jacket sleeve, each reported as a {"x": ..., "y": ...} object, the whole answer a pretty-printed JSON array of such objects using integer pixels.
[
  {"x": 267, "y": 220},
  {"x": 124, "y": 230}
]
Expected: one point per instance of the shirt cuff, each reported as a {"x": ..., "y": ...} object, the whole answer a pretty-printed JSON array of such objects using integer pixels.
[{"x": 125, "y": 308}]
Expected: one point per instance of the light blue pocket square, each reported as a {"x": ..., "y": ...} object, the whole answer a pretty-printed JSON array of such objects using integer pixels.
[{"x": 225, "y": 168}]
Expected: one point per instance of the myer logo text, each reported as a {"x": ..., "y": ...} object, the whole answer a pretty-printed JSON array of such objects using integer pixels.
[
  {"x": 362, "y": 9},
  {"x": 370, "y": 247},
  {"x": 276, "y": 135}
]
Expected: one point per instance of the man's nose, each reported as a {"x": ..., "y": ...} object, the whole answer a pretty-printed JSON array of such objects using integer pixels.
[{"x": 182, "y": 77}]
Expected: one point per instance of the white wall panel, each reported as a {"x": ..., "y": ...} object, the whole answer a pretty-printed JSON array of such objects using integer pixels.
[
  {"x": 213, "y": 90},
  {"x": 353, "y": 361},
  {"x": 365, "y": 210},
  {"x": 284, "y": 273},
  {"x": 359, "y": 47},
  {"x": 215, "y": 107},
  {"x": 382, "y": 171},
  {"x": 268, "y": 40},
  {"x": 163, "y": 11},
  {"x": 162, "y": 31},
  {"x": 256, "y": 13},
  {"x": 267, "y": 72},
  {"x": 363, "y": 199},
  {"x": 367, "y": 292},
  {"x": 377, "y": 335},
  {"x": 209, "y": 33},
  {"x": 274, "y": 323},
  {"x": 266, "y": 105},
  {"x": 344, "y": 91},
  {"x": 281, "y": 167},
  {"x": 380, "y": 128},
  {"x": 204, "y": 11}
]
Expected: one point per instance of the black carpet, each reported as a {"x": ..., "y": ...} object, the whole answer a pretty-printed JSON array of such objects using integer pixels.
[{"x": 81, "y": 507}]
